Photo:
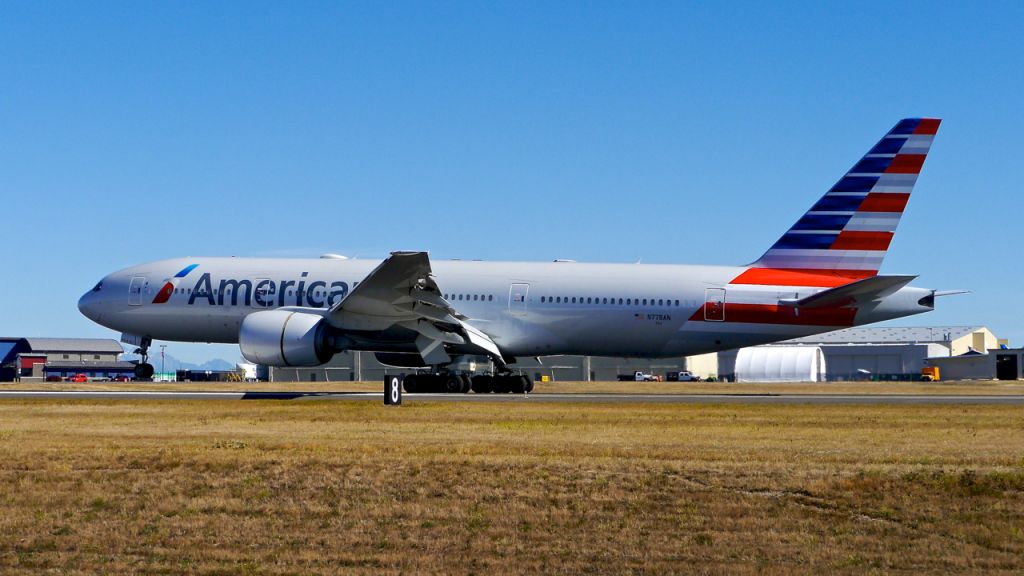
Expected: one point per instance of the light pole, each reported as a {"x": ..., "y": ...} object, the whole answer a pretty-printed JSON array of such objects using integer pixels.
[{"x": 163, "y": 348}]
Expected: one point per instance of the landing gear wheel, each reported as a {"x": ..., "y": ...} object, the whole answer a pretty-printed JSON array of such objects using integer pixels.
[
  {"x": 453, "y": 384},
  {"x": 144, "y": 370},
  {"x": 517, "y": 384},
  {"x": 411, "y": 384},
  {"x": 467, "y": 384},
  {"x": 483, "y": 384},
  {"x": 529, "y": 384}
]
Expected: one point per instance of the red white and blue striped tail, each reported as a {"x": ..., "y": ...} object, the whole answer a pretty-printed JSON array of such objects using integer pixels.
[{"x": 848, "y": 231}]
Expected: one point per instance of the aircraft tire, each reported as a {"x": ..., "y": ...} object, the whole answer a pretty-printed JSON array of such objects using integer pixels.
[
  {"x": 144, "y": 370},
  {"x": 529, "y": 384},
  {"x": 411, "y": 383},
  {"x": 501, "y": 385},
  {"x": 483, "y": 384},
  {"x": 452, "y": 384},
  {"x": 517, "y": 384},
  {"x": 467, "y": 384}
]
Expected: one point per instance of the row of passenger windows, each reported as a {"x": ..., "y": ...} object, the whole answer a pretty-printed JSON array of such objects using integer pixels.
[
  {"x": 470, "y": 297},
  {"x": 571, "y": 300},
  {"x": 609, "y": 301}
]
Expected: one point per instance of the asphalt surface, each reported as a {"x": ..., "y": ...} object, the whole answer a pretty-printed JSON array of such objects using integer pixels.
[{"x": 563, "y": 398}]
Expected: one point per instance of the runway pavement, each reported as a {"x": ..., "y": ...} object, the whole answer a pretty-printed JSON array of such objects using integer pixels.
[{"x": 1017, "y": 400}]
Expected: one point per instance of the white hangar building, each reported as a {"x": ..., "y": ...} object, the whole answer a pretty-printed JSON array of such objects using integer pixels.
[{"x": 887, "y": 353}]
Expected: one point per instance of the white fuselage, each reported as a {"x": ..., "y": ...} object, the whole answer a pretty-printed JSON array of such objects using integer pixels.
[{"x": 526, "y": 308}]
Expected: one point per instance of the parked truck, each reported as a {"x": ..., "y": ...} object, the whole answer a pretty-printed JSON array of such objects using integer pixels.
[
  {"x": 682, "y": 376},
  {"x": 638, "y": 376}
]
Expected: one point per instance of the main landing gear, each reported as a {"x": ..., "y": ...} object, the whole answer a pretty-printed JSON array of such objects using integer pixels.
[
  {"x": 144, "y": 370},
  {"x": 450, "y": 383}
]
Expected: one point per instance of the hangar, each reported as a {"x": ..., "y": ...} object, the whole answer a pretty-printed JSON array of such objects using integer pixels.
[
  {"x": 44, "y": 357},
  {"x": 998, "y": 364},
  {"x": 881, "y": 353}
]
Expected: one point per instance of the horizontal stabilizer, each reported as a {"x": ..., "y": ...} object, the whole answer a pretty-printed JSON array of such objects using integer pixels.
[{"x": 866, "y": 290}]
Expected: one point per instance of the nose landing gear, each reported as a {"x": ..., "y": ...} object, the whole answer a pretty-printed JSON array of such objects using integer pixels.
[{"x": 144, "y": 369}]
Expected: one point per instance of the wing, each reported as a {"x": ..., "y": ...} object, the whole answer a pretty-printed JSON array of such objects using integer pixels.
[{"x": 401, "y": 291}]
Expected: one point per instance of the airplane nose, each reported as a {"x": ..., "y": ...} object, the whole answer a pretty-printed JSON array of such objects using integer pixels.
[
  {"x": 89, "y": 303},
  {"x": 87, "y": 306}
]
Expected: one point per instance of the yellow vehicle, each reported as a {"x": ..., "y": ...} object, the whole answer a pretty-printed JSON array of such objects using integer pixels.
[{"x": 929, "y": 374}]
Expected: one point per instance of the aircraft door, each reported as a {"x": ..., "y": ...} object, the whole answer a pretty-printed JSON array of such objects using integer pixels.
[
  {"x": 714, "y": 304},
  {"x": 135, "y": 290},
  {"x": 517, "y": 295}
]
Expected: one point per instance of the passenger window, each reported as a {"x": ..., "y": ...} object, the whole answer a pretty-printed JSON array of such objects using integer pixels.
[
  {"x": 588, "y": 300},
  {"x": 490, "y": 297},
  {"x": 661, "y": 302},
  {"x": 474, "y": 297},
  {"x": 628, "y": 302},
  {"x": 573, "y": 299}
]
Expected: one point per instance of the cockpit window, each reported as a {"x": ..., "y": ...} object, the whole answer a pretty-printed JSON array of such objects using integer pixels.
[{"x": 98, "y": 287}]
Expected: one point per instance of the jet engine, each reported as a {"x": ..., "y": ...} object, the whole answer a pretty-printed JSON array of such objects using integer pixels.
[{"x": 284, "y": 338}]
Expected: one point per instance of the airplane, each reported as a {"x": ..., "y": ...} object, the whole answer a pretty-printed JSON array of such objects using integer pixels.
[{"x": 414, "y": 312}]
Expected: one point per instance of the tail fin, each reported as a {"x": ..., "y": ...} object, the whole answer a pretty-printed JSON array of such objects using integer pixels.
[{"x": 848, "y": 231}]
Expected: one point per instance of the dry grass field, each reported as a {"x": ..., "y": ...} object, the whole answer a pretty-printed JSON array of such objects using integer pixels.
[{"x": 321, "y": 487}]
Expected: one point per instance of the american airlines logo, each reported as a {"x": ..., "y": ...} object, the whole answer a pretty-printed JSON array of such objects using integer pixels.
[
  {"x": 259, "y": 293},
  {"x": 165, "y": 293}
]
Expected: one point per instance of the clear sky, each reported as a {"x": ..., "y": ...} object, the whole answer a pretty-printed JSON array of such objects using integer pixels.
[{"x": 668, "y": 132}]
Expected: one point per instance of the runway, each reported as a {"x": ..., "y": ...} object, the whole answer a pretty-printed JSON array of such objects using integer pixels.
[{"x": 949, "y": 399}]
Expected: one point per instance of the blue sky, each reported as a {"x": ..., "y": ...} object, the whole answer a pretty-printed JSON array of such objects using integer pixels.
[{"x": 667, "y": 132}]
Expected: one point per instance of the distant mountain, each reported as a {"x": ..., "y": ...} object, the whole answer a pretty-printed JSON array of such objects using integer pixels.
[{"x": 172, "y": 364}]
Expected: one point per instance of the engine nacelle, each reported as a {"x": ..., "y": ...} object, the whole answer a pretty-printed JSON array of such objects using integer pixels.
[{"x": 284, "y": 338}]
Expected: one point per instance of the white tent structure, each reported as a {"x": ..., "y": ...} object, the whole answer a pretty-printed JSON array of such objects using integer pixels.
[{"x": 780, "y": 364}]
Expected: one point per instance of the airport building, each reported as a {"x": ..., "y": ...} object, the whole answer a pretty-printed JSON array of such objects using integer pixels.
[
  {"x": 1001, "y": 363},
  {"x": 40, "y": 358},
  {"x": 348, "y": 366},
  {"x": 884, "y": 353}
]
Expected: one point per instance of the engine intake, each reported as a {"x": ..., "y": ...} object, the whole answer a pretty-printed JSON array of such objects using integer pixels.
[{"x": 284, "y": 338}]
